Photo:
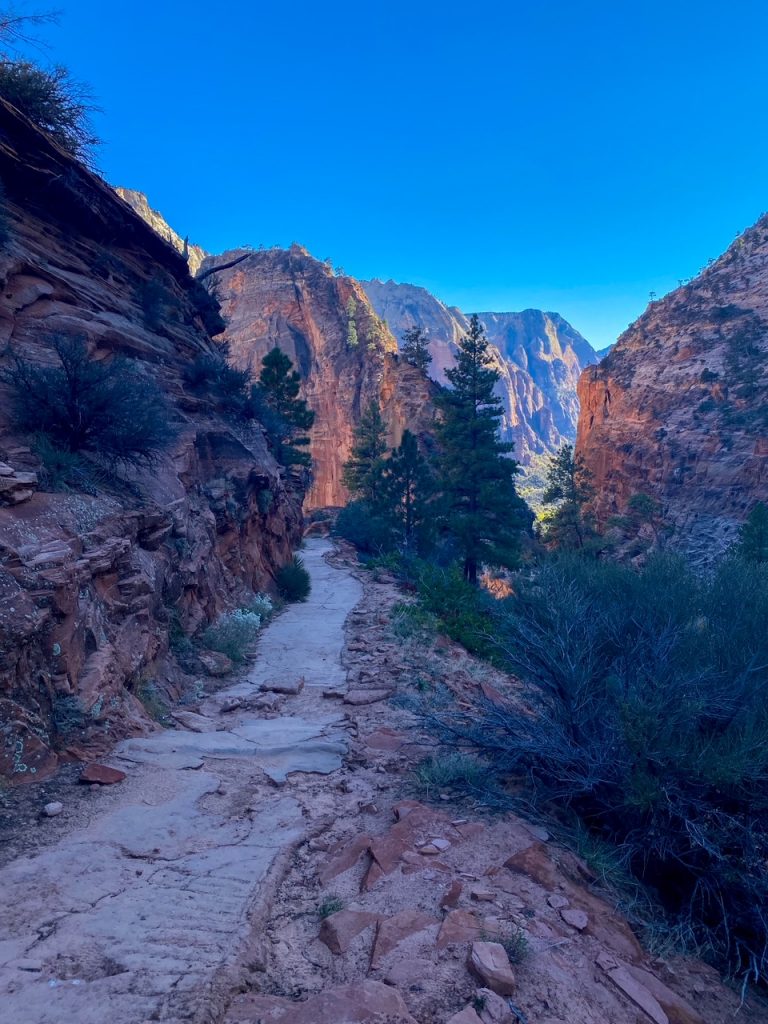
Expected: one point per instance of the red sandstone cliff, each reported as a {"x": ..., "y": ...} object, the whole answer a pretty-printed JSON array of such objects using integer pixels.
[
  {"x": 678, "y": 409},
  {"x": 90, "y": 583},
  {"x": 345, "y": 354}
]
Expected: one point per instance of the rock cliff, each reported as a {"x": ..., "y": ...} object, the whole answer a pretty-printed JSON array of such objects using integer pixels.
[
  {"x": 91, "y": 584},
  {"x": 538, "y": 355},
  {"x": 344, "y": 352},
  {"x": 139, "y": 202},
  {"x": 677, "y": 410}
]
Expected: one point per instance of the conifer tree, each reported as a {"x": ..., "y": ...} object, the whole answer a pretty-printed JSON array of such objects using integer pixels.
[
  {"x": 753, "y": 536},
  {"x": 483, "y": 511},
  {"x": 569, "y": 489},
  {"x": 415, "y": 349},
  {"x": 408, "y": 490},
  {"x": 364, "y": 472},
  {"x": 285, "y": 416}
]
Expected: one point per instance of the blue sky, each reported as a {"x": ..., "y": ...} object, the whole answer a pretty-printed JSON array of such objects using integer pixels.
[{"x": 566, "y": 155}]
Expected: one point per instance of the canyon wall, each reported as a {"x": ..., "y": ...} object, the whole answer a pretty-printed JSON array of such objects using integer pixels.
[
  {"x": 344, "y": 352},
  {"x": 138, "y": 202},
  {"x": 94, "y": 581},
  {"x": 678, "y": 409},
  {"x": 538, "y": 355}
]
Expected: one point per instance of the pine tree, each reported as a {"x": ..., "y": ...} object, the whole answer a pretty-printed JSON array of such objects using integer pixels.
[
  {"x": 364, "y": 472},
  {"x": 285, "y": 416},
  {"x": 569, "y": 489},
  {"x": 408, "y": 490},
  {"x": 415, "y": 349},
  {"x": 753, "y": 536},
  {"x": 483, "y": 511}
]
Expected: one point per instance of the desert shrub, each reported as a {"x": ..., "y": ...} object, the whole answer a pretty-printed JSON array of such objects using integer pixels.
[
  {"x": 67, "y": 714},
  {"x": 109, "y": 408},
  {"x": 649, "y": 721},
  {"x": 462, "y": 610},
  {"x": 293, "y": 580},
  {"x": 330, "y": 905},
  {"x": 61, "y": 469},
  {"x": 205, "y": 298},
  {"x": 53, "y": 101},
  {"x": 211, "y": 375},
  {"x": 154, "y": 299},
  {"x": 263, "y": 606},
  {"x": 370, "y": 533},
  {"x": 233, "y": 634}
]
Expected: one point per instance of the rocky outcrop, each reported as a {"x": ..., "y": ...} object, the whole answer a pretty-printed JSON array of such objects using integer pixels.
[
  {"x": 91, "y": 584},
  {"x": 539, "y": 357},
  {"x": 677, "y": 410},
  {"x": 344, "y": 352},
  {"x": 138, "y": 202}
]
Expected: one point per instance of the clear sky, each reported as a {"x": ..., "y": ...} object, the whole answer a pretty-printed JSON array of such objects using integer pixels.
[{"x": 563, "y": 154}]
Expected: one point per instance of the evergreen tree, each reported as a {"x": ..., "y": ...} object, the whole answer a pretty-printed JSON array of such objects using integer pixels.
[
  {"x": 408, "y": 490},
  {"x": 415, "y": 349},
  {"x": 569, "y": 489},
  {"x": 483, "y": 511},
  {"x": 753, "y": 536},
  {"x": 364, "y": 472},
  {"x": 285, "y": 416}
]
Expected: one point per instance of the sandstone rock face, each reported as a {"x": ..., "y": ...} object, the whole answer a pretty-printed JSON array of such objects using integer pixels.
[
  {"x": 91, "y": 583},
  {"x": 539, "y": 356},
  {"x": 677, "y": 410},
  {"x": 344, "y": 352},
  {"x": 140, "y": 204}
]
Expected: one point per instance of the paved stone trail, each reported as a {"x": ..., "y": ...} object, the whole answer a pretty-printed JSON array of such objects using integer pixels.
[{"x": 136, "y": 916}]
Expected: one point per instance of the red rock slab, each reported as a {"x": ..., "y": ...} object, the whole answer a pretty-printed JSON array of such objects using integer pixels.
[
  {"x": 360, "y": 697},
  {"x": 343, "y": 856},
  {"x": 633, "y": 989},
  {"x": 458, "y": 926},
  {"x": 102, "y": 774},
  {"x": 338, "y": 930},
  {"x": 384, "y": 739},
  {"x": 366, "y": 1002},
  {"x": 676, "y": 1009},
  {"x": 391, "y": 931},
  {"x": 489, "y": 961},
  {"x": 535, "y": 862},
  {"x": 451, "y": 896},
  {"x": 465, "y": 1016}
]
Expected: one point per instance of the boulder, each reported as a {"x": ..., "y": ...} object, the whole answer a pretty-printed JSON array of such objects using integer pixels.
[
  {"x": 193, "y": 722},
  {"x": 489, "y": 961},
  {"x": 101, "y": 774},
  {"x": 291, "y": 687},
  {"x": 215, "y": 663},
  {"x": 465, "y": 1016}
]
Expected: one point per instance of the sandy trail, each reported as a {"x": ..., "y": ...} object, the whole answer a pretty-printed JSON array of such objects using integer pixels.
[{"x": 137, "y": 916}]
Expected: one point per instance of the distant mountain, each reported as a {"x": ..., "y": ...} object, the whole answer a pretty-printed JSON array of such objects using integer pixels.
[{"x": 539, "y": 356}]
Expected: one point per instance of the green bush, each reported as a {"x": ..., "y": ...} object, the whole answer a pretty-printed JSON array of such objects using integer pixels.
[
  {"x": 233, "y": 634},
  {"x": 211, "y": 375},
  {"x": 649, "y": 720},
  {"x": 53, "y": 101},
  {"x": 463, "y": 611},
  {"x": 369, "y": 533},
  {"x": 293, "y": 580},
  {"x": 110, "y": 407}
]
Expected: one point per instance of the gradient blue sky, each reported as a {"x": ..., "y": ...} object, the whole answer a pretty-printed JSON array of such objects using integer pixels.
[{"x": 566, "y": 155}]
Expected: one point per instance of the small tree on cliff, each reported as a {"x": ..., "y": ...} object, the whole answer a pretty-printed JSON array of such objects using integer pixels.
[
  {"x": 408, "y": 490},
  {"x": 753, "y": 536},
  {"x": 415, "y": 349},
  {"x": 569, "y": 489},
  {"x": 364, "y": 472},
  {"x": 285, "y": 416},
  {"x": 483, "y": 511}
]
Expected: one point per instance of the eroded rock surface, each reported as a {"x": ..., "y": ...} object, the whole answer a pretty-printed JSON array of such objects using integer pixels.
[
  {"x": 92, "y": 582},
  {"x": 677, "y": 410}
]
